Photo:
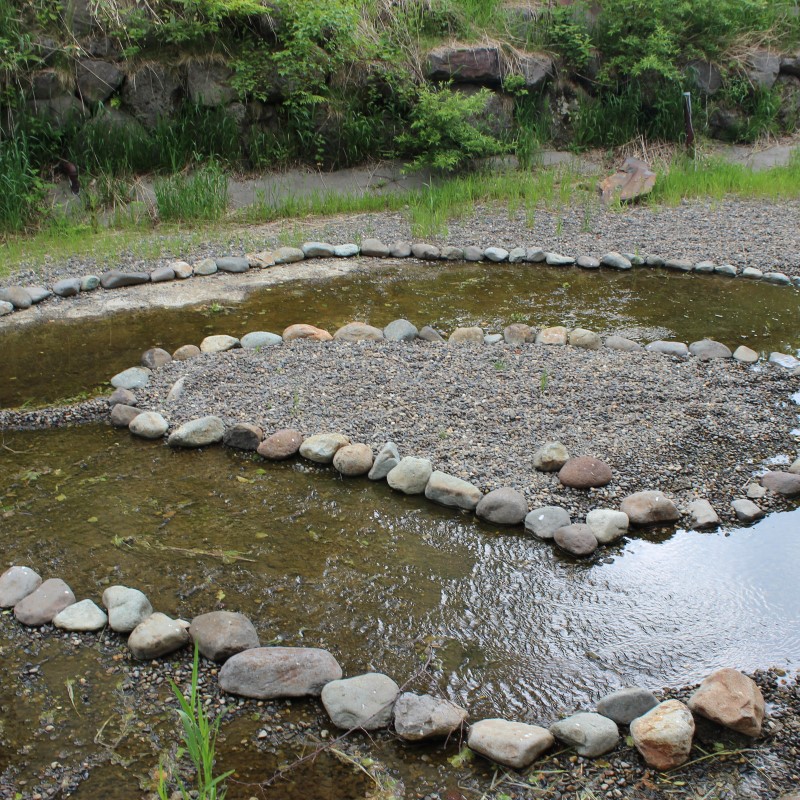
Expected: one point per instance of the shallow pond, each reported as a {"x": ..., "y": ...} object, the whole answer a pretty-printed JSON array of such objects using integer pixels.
[{"x": 61, "y": 359}]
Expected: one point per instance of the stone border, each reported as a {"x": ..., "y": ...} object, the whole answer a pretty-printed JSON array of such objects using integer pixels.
[
  {"x": 416, "y": 475},
  {"x": 662, "y": 732},
  {"x": 21, "y": 297}
]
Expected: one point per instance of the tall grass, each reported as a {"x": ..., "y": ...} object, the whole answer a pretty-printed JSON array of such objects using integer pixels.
[
  {"x": 21, "y": 189},
  {"x": 202, "y": 195}
]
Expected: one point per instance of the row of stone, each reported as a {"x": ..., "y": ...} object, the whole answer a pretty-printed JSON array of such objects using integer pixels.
[
  {"x": 662, "y": 732},
  {"x": 22, "y": 297}
]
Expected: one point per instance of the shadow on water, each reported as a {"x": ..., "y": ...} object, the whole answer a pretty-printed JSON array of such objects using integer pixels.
[{"x": 61, "y": 359}]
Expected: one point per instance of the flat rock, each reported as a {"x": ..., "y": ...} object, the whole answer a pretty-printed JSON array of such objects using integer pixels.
[
  {"x": 512, "y": 744},
  {"x": 156, "y": 636},
  {"x": 198, "y": 432},
  {"x": 243, "y": 436},
  {"x": 493, "y": 338},
  {"x": 607, "y": 525},
  {"x": 559, "y": 260},
  {"x": 221, "y": 634},
  {"x": 347, "y": 250},
  {"x": 745, "y": 355},
  {"x": 411, "y": 475},
  {"x": 702, "y": 515},
  {"x": 38, "y": 293},
  {"x": 576, "y": 539},
  {"x": 795, "y": 467},
  {"x": 400, "y": 330},
  {"x": 516, "y": 255},
  {"x": 318, "y": 250},
  {"x": 126, "y": 608},
  {"x": 633, "y": 179},
  {"x": 43, "y": 603},
  {"x": 504, "y": 506},
  {"x": 353, "y": 459},
  {"x": 496, "y": 254},
  {"x": 387, "y": 459},
  {"x": 66, "y": 287},
  {"x": 621, "y": 343},
  {"x": 518, "y": 333},
  {"x": 585, "y": 339},
  {"x": 550, "y": 457},
  {"x": 591, "y": 735},
  {"x": 784, "y": 483},
  {"x": 185, "y": 352},
  {"x": 122, "y": 415},
  {"x": 753, "y": 274},
  {"x": 206, "y": 266},
  {"x": 425, "y": 252},
  {"x": 746, "y": 510},
  {"x": 429, "y": 334},
  {"x": 625, "y": 705},
  {"x": 115, "y": 279},
  {"x": 473, "y": 335},
  {"x": 322, "y": 447},
  {"x": 131, "y": 378},
  {"x": 545, "y": 521},
  {"x": 705, "y": 267},
  {"x": 374, "y": 248},
  {"x": 649, "y": 508},
  {"x": 677, "y": 349},
  {"x": 17, "y": 583},
  {"x": 731, "y": 699},
  {"x": 82, "y": 616},
  {"x": 679, "y": 264},
  {"x": 18, "y": 297},
  {"x": 473, "y": 253},
  {"x": 784, "y": 360},
  {"x": 755, "y": 491},
  {"x": 258, "y": 340},
  {"x": 707, "y": 349},
  {"x": 282, "y": 444},
  {"x": 777, "y": 278},
  {"x": 615, "y": 261},
  {"x": 303, "y": 331},
  {"x": 535, "y": 255},
  {"x": 585, "y": 472},
  {"x": 449, "y": 490},
  {"x": 555, "y": 335},
  {"x": 271, "y": 672},
  {"x": 654, "y": 261},
  {"x": 664, "y": 735},
  {"x": 261, "y": 260},
  {"x": 155, "y": 357},
  {"x": 726, "y": 270},
  {"x": 364, "y": 701},
  {"x": 418, "y": 717},
  {"x": 219, "y": 343},
  {"x": 148, "y": 425},
  {"x": 358, "y": 332},
  {"x": 288, "y": 255}
]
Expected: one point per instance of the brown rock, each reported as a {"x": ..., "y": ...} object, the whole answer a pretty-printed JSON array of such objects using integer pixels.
[
  {"x": 649, "y": 508},
  {"x": 358, "y": 332},
  {"x": 186, "y": 352},
  {"x": 155, "y": 357},
  {"x": 585, "y": 472},
  {"x": 664, "y": 735},
  {"x": 243, "y": 436},
  {"x": 281, "y": 444},
  {"x": 731, "y": 699},
  {"x": 518, "y": 333},
  {"x": 465, "y": 64},
  {"x": 40, "y": 606},
  {"x": 466, "y": 336},
  {"x": 124, "y": 396},
  {"x": 302, "y": 331},
  {"x": 353, "y": 459},
  {"x": 633, "y": 180},
  {"x": 221, "y": 634},
  {"x": 577, "y": 539},
  {"x": 785, "y": 483},
  {"x": 555, "y": 335}
]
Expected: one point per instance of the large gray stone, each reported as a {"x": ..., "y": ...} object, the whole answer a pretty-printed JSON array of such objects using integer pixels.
[
  {"x": 67, "y": 287},
  {"x": 148, "y": 425},
  {"x": 677, "y": 349},
  {"x": 353, "y": 460},
  {"x": 126, "y": 608},
  {"x": 615, "y": 261},
  {"x": 387, "y": 459},
  {"x": 198, "y": 432},
  {"x": 322, "y": 447},
  {"x": 365, "y": 701},
  {"x": 115, "y": 279},
  {"x": 37, "y": 293},
  {"x": 707, "y": 349},
  {"x": 400, "y": 330},
  {"x": 419, "y": 717},
  {"x": 550, "y": 457},
  {"x": 185, "y": 352},
  {"x": 504, "y": 506},
  {"x": 649, "y": 508},
  {"x": 17, "y": 296},
  {"x": 151, "y": 92},
  {"x": 82, "y": 616},
  {"x": 122, "y": 415},
  {"x": 234, "y": 264},
  {"x": 221, "y": 634},
  {"x": 784, "y": 483},
  {"x": 318, "y": 250},
  {"x": 97, "y": 80},
  {"x": 762, "y": 68},
  {"x": 545, "y": 521},
  {"x": 452, "y": 491},
  {"x": 288, "y": 255},
  {"x": 158, "y": 635},
  {"x": 411, "y": 475},
  {"x": 271, "y": 672},
  {"x": 429, "y": 334},
  {"x": 17, "y": 583},
  {"x": 559, "y": 260},
  {"x": 783, "y": 360},
  {"x": 347, "y": 250},
  {"x": 512, "y": 744},
  {"x": 122, "y": 396},
  {"x": 746, "y": 510},
  {"x": 258, "y": 340},
  {"x": 208, "y": 83},
  {"x": 41, "y": 605},
  {"x": 625, "y": 705},
  {"x": 374, "y": 248},
  {"x": 6, "y": 308},
  {"x": 577, "y": 539},
  {"x": 591, "y": 735},
  {"x": 425, "y": 251},
  {"x": 206, "y": 266},
  {"x": 496, "y": 254},
  {"x": 131, "y": 378}
]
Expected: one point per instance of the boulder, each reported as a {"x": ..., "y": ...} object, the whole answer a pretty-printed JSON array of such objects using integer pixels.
[
  {"x": 762, "y": 68},
  {"x": 302, "y": 331},
  {"x": 419, "y": 717},
  {"x": 365, "y": 701},
  {"x": 746, "y": 510},
  {"x": 590, "y": 734},
  {"x": 401, "y": 330},
  {"x": 587, "y": 262},
  {"x": 347, "y": 250},
  {"x": 587, "y": 340},
  {"x": 353, "y": 459},
  {"x": 677, "y": 349},
  {"x": 472, "y": 335},
  {"x": 317, "y": 250},
  {"x": 198, "y": 432},
  {"x": 155, "y": 357},
  {"x": 706, "y": 75},
  {"x": 785, "y": 483},
  {"x": 122, "y": 415},
  {"x": 545, "y": 521},
  {"x": 504, "y": 506},
  {"x": 576, "y": 539},
  {"x": 555, "y": 335},
  {"x": 208, "y": 84},
  {"x": 621, "y": 343},
  {"x": 625, "y": 705},
  {"x": 18, "y": 297},
  {"x": 258, "y": 340},
  {"x": 411, "y": 475},
  {"x": 358, "y": 332},
  {"x": 707, "y": 349},
  {"x": 465, "y": 64},
  {"x": 649, "y": 508},
  {"x": 288, "y": 255},
  {"x": 221, "y": 634},
  {"x": 664, "y": 735},
  {"x": 550, "y": 457},
  {"x": 206, "y": 266},
  {"x": 634, "y": 179},
  {"x": 400, "y": 249},
  {"x": 151, "y": 92},
  {"x": 219, "y": 343},
  {"x": 615, "y": 261},
  {"x": 185, "y": 352},
  {"x": 607, "y": 525},
  {"x": 97, "y": 80},
  {"x": 518, "y": 333},
  {"x": 387, "y": 459},
  {"x": 731, "y": 699},
  {"x": 425, "y": 252},
  {"x": 271, "y": 672},
  {"x": 156, "y": 636},
  {"x": 429, "y": 334},
  {"x": 66, "y": 287},
  {"x": 322, "y": 447},
  {"x": 374, "y": 248},
  {"x": 512, "y": 744},
  {"x": 234, "y": 264},
  {"x": 535, "y": 255},
  {"x": 282, "y": 444},
  {"x": 496, "y": 254},
  {"x": 43, "y": 603},
  {"x": 559, "y": 260},
  {"x": 702, "y": 515},
  {"x": 745, "y": 355},
  {"x": 243, "y": 436},
  {"x": 131, "y": 378},
  {"x": 451, "y": 491},
  {"x": 148, "y": 425},
  {"x": 115, "y": 279},
  {"x": 126, "y": 608},
  {"x": 585, "y": 472},
  {"x": 16, "y": 583},
  {"x": 535, "y": 68},
  {"x": 82, "y": 616}
]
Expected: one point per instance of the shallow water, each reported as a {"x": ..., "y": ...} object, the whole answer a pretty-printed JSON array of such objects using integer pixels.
[{"x": 61, "y": 359}]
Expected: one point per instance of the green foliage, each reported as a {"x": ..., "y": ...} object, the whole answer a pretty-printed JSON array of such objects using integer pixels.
[
  {"x": 202, "y": 195},
  {"x": 444, "y": 133},
  {"x": 566, "y": 31},
  {"x": 21, "y": 188},
  {"x": 757, "y": 109}
]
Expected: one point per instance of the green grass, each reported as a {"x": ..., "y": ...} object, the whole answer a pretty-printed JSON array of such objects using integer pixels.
[{"x": 202, "y": 195}]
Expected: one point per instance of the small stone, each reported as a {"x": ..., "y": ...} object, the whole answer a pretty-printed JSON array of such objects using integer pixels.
[
  {"x": 649, "y": 508},
  {"x": 654, "y": 261},
  {"x": 364, "y": 701},
  {"x": 16, "y": 583},
  {"x": 664, "y": 735},
  {"x": 159, "y": 275},
  {"x": 206, "y": 266},
  {"x": 591, "y": 735},
  {"x": 545, "y": 521},
  {"x": 472, "y": 335},
  {"x": 131, "y": 378},
  {"x": 587, "y": 262},
  {"x": 358, "y": 332},
  {"x": 280, "y": 445},
  {"x": 731, "y": 699},
  {"x": 577, "y": 539},
  {"x": 783, "y": 483},
  {"x": 418, "y": 717},
  {"x": 746, "y": 510},
  {"x": 115, "y": 279},
  {"x": 556, "y": 335},
  {"x": 181, "y": 269},
  {"x": 452, "y": 491},
  {"x": 615, "y": 261},
  {"x": 558, "y": 260},
  {"x": 518, "y": 333},
  {"x": 288, "y": 255},
  {"x": 784, "y": 360},
  {"x": 400, "y": 249},
  {"x": 353, "y": 459},
  {"x": 677, "y": 349},
  {"x": 679, "y": 265},
  {"x": 148, "y": 425},
  {"x": 708, "y": 349},
  {"x": 67, "y": 287},
  {"x": 702, "y": 515},
  {"x": 400, "y": 330},
  {"x": 126, "y": 608},
  {"x": 753, "y": 274},
  {"x": 41, "y": 605},
  {"x": 199, "y": 432},
  {"x": 347, "y": 250},
  {"x": 157, "y": 636},
  {"x": 585, "y": 472},
  {"x": 493, "y": 338},
  {"x": 321, "y": 447},
  {"x": 411, "y": 475},
  {"x": 186, "y": 352},
  {"x": 89, "y": 283},
  {"x": 243, "y": 436},
  {"x": 472, "y": 253},
  {"x": 124, "y": 396},
  {"x": 258, "y": 340},
  {"x": 745, "y": 355},
  {"x": 221, "y": 634},
  {"x": 387, "y": 459},
  {"x": 587, "y": 340},
  {"x": 82, "y": 616},
  {"x": 428, "y": 334},
  {"x": 504, "y": 506},
  {"x": 318, "y": 250},
  {"x": 155, "y": 357},
  {"x": 795, "y": 467},
  {"x": 550, "y": 457},
  {"x": 496, "y": 254},
  {"x": 755, "y": 491},
  {"x": 122, "y": 415},
  {"x": 621, "y": 343},
  {"x": 302, "y": 331},
  {"x": 625, "y": 705},
  {"x": 219, "y": 343},
  {"x": 607, "y": 525},
  {"x": 512, "y": 744},
  {"x": 374, "y": 248}
]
